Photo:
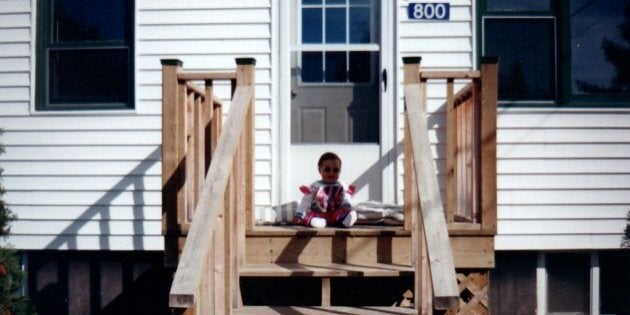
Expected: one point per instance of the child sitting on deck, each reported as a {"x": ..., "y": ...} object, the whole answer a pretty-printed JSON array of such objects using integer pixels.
[{"x": 327, "y": 201}]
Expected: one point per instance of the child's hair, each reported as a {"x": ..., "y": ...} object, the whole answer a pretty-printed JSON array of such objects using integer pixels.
[{"x": 328, "y": 156}]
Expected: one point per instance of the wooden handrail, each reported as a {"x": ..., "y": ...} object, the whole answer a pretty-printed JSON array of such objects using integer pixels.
[
  {"x": 425, "y": 75},
  {"x": 470, "y": 172},
  {"x": 430, "y": 222},
  {"x": 206, "y": 76},
  {"x": 206, "y": 278}
]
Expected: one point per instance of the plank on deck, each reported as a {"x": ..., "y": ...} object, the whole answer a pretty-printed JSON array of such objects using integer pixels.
[
  {"x": 325, "y": 270},
  {"x": 319, "y": 310}
]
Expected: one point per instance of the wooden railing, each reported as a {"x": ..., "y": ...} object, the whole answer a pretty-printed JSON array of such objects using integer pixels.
[
  {"x": 470, "y": 178},
  {"x": 208, "y": 203}
]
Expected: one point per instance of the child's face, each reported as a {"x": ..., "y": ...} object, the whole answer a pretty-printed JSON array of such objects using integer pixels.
[{"x": 330, "y": 170}]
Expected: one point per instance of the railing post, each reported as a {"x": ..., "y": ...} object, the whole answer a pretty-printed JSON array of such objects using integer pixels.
[
  {"x": 451, "y": 153},
  {"x": 411, "y": 67},
  {"x": 488, "y": 143},
  {"x": 245, "y": 75},
  {"x": 241, "y": 182},
  {"x": 208, "y": 125},
  {"x": 171, "y": 168}
]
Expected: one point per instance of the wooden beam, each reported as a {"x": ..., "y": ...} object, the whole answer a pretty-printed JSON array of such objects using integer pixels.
[
  {"x": 206, "y": 76},
  {"x": 449, "y": 74},
  {"x": 207, "y": 112},
  {"x": 326, "y": 270},
  {"x": 446, "y": 294},
  {"x": 195, "y": 88},
  {"x": 410, "y": 192},
  {"x": 170, "y": 161},
  {"x": 326, "y": 291},
  {"x": 451, "y": 153}
]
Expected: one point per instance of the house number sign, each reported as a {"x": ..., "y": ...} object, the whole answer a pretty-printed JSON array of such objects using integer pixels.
[{"x": 429, "y": 11}]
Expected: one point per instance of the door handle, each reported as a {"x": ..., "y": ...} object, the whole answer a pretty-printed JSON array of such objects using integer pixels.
[{"x": 384, "y": 78}]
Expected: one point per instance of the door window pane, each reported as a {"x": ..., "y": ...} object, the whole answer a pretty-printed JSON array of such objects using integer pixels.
[
  {"x": 335, "y": 25},
  {"x": 360, "y": 25},
  {"x": 526, "y": 50},
  {"x": 600, "y": 47},
  {"x": 361, "y": 66},
  {"x": 311, "y": 26},
  {"x": 518, "y": 5},
  {"x": 336, "y": 67},
  {"x": 312, "y": 65}
]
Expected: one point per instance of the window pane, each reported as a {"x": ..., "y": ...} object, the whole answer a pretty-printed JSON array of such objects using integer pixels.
[
  {"x": 360, "y": 25},
  {"x": 361, "y": 66},
  {"x": 359, "y": 2},
  {"x": 526, "y": 51},
  {"x": 518, "y": 5},
  {"x": 336, "y": 67},
  {"x": 335, "y": 25},
  {"x": 335, "y": 1},
  {"x": 82, "y": 20},
  {"x": 312, "y": 26},
  {"x": 568, "y": 282},
  {"x": 600, "y": 47},
  {"x": 93, "y": 76},
  {"x": 311, "y": 1},
  {"x": 312, "y": 64}
]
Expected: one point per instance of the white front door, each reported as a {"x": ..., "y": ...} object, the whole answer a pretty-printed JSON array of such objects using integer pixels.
[{"x": 337, "y": 55}]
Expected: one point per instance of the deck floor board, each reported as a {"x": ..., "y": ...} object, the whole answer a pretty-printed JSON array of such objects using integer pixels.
[{"x": 325, "y": 270}]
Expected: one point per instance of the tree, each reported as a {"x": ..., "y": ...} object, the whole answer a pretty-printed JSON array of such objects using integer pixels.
[{"x": 11, "y": 275}]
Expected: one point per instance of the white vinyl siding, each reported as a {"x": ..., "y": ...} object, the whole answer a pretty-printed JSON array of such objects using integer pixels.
[
  {"x": 209, "y": 35},
  {"x": 563, "y": 174},
  {"x": 564, "y": 178},
  {"x": 92, "y": 180}
]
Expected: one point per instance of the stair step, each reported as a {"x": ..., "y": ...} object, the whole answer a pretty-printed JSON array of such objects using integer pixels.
[
  {"x": 317, "y": 310},
  {"x": 325, "y": 270}
]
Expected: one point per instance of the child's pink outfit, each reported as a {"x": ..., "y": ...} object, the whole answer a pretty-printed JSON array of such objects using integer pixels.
[{"x": 334, "y": 197}]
